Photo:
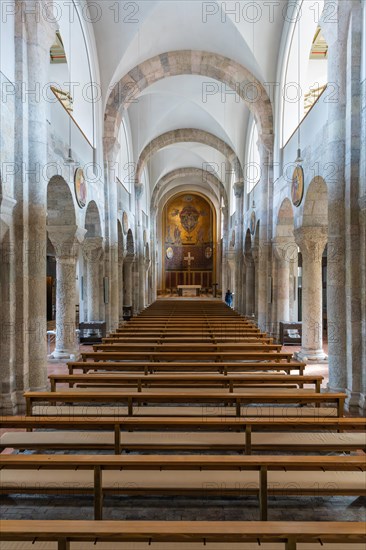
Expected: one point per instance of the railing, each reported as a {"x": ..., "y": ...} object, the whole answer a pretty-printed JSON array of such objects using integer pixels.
[{"x": 65, "y": 127}]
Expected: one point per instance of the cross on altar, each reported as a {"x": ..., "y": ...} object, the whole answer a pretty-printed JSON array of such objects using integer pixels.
[{"x": 189, "y": 259}]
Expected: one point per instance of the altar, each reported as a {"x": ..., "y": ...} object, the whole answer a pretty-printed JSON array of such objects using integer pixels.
[{"x": 181, "y": 288}]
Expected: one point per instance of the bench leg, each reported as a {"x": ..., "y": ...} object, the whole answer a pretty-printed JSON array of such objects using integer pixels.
[
  {"x": 263, "y": 493},
  {"x": 63, "y": 544},
  {"x": 117, "y": 439},
  {"x": 291, "y": 544},
  {"x": 98, "y": 493},
  {"x": 248, "y": 440}
]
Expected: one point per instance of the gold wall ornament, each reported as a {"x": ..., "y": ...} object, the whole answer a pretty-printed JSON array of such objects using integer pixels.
[
  {"x": 252, "y": 222},
  {"x": 125, "y": 222},
  {"x": 297, "y": 187},
  {"x": 208, "y": 252},
  {"x": 169, "y": 253},
  {"x": 81, "y": 191}
]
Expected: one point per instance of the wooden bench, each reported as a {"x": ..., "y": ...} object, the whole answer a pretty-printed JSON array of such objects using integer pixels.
[
  {"x": 212, "y": 340},
  {"x": 257, "y": 345},
  {"x": 164, "y": 475},
  {"x": 157, "y": 356},
  {"x": 146, "y": 381},
  {"x": 184, "y": 534},
  {"x": 192, "y": 367},
  {"x": 237, "y": 399},
  {"x": 154, "y": 433}
]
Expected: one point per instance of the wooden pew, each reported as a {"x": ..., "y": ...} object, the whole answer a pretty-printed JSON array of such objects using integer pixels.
[
  {"x": 184, "y": 534},
  {"x": 321, "y": 434},
  {"x": 197, "y": 339},
  {"x": 191, "y": 367},
  {"x": 146, "y": 381},
  {"x": 159, "y": 475},
  {"x": 238, "y": 399},
  {"x": 158, "y": 356},
  {"x": 257, "y": 345}
]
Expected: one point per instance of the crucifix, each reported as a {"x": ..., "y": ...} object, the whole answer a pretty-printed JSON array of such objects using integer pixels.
[{"x": 189, "y": 259}]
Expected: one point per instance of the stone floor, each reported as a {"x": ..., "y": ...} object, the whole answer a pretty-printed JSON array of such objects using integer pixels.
[{"x": 180, "y": 508}]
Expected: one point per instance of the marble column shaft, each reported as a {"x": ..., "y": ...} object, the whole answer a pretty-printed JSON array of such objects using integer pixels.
[
  {"x": 239, "y": 214},
  {"x": 39, "y": 42},
  {"x": 111, "y": 149},
  {"x": 127, "y": 279},
  {"x": 285, "y": 254},
  {"x": 249, "y": 285},
  {"x": 66, "y": 242},
  {"x": 336, "y": 36},
  {"x": 312, "y": 241},
  {"x": 93, "y": 254}
]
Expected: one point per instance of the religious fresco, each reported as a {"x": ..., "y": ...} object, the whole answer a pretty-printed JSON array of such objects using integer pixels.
[{"x": 188, "y": 242}]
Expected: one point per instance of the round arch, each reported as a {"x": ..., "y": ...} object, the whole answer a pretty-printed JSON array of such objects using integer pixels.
[
  {"x": 130, "y": 244},
  {"x": 92, "y": 220},
  {"x": 186, "y": 135},
  {"x": 181, "y": 62},
  {"x": 207, "y": 178},
  {"x": 315, "y": 211}
]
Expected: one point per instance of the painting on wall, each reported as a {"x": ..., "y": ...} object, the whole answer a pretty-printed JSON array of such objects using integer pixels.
[
  {"x": 297, "y": 187},
  {"x": 252, "y": 223},
  {"x": 125, "y": 222},
  {"x": 81, "y": 191},
  {"x": 188, "y": 231}
]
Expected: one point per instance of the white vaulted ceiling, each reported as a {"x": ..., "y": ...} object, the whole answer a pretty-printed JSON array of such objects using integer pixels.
[{"x": 156, "y": 27}]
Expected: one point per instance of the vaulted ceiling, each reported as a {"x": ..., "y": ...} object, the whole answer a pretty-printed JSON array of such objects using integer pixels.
[{"x": 129, "y": 33}]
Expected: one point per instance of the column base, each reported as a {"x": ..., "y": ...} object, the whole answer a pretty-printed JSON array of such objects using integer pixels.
[
  {"x": 354, "y": 399},
  {"x": 311, "y": 356},
  {"x": 9, "y": 403},
  {"x": 64, "y": 356},
  {"x": 362, "y": 401}
]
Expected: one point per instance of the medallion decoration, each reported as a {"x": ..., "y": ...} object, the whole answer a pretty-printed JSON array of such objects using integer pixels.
[
  {"x": 81, "y": 191},
  {"x": 297, "y": 187}
]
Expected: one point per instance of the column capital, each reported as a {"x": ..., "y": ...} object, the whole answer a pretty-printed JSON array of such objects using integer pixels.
[
  {"x": 65, "y": 239},
  {"x": 285, "y": 249},
  {"x": 248, "y": 259},
  {"x": 111, "y": 147},
  {"x": 312, "y": 241},
  {"x": 139, "y": 188},
  {"x": 255, "y": 254},
  {"x": 93, "y": 248},
  {"x": 265, "y": 144},
  {"x": 238, "y": 188}
]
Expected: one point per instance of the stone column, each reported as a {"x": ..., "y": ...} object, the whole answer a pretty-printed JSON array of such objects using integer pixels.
[
  {"x": 66, "y": 242},
  {"x": 243, "y": 285},
  {"x": 120, "y": 288},
  {"x": 285, "y": 251},
  {"x": 335, "y": 33},
  {"x": 263, "y": 240},
  {"x": 140, "y": 266},
  {"x": 93, "y": 254},
  {"x": 362, "y": 201},
  {"x": 127, "y": 278},
  {"x": 239, "y": 216},
  {"x": 255, "y": 256},
  {"x": 7, "y": 308},
  {"x": 40, "y": 35},
  {"x": 111, "y": 149},
  {"x": 312, "y": 241},
  {"x": 249, "y": 285}
]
